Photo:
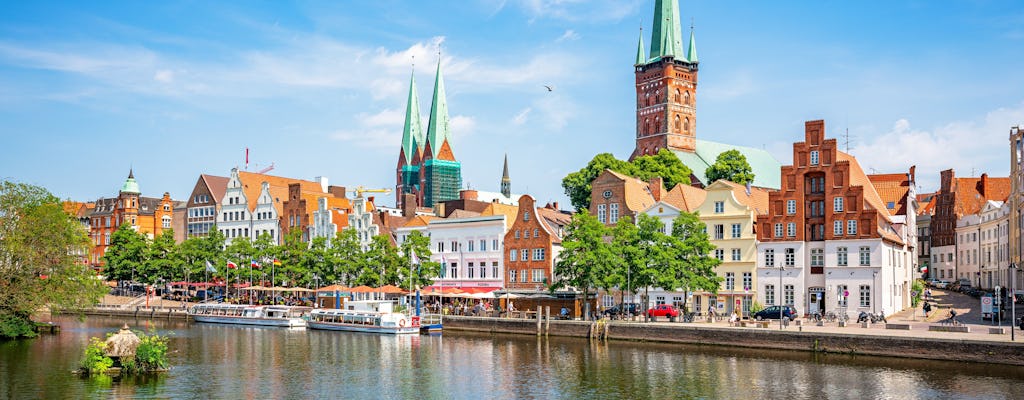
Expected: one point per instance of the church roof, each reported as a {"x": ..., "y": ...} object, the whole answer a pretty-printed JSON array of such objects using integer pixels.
[
  {"x": 765, "y": 167},
  {"x": 412, "y": 130},
  {"x": 438, "y": 127},
  {"x": 666, "y": 35}
]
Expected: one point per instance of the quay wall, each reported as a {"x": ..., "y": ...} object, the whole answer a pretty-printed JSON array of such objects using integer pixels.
[
  {"x": 790, "y": 339},
  {"x": 139, "y": 312}
]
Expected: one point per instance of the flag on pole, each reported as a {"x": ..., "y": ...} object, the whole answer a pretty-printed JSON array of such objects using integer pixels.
[
  {"x": 232, "y": 265},
  {"x": 412, "y": 258},
  {"x": 277, "y": 262},
  {"x": 444, "y": 264},
  {"x": 210, "y": 268},
  {"x": 254, "y": 264}
]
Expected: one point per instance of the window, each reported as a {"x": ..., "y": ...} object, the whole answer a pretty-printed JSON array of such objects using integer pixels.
[
  {"x": 837, "y": 228},
  {"x": 841, "y": 295},
  {"x": 601, "y": 213},
  {"x": 790, "y": 256},
  {"x": 865, "y": 296},
  {"x": 817, "y": 257},
  {"x": 814, "y": 157},
  {"x": 769, "y": 258},
  {"x": 494, "y": 269},
  {"x": 523, "y": 276},
  {"x": 512, "y": 275},
  {"x": 719, "y": 207},
  {"x": 720, "y": 254},
  {"x": 469, "y": 270},
  {"x": 735, "y": 254},
  {"x": 523, "y": 256},
  {"x": 865, "y": 255},
  {"x": 613, "y": 215},
  {"x": 841, "y": 255},
  {"x": 538, "y": 254},
  {"x": 469, "y": 245},
  {"x": 778, "y": 230},
  {"x": 526, "y": 216},
  {"x": 483, "y": 245},
  {"x": 790, "y": 207},
  {"x": 748, "y": 280},
  {"x": 517, "y": 234},
  {"x": 735, "y": 231},
  {"x": 788, "y": 292},
  {"x": 538, "y": 275},
  {"x": 454, "y": 271},
  {"x": 791, "y": 229},
  {"x": 769, "y": 294},
  {"x": 851, "y": 227},
  {"x": 730, "y": 281},
  {"x": 512, "y": 255},
  {"x": 837, "y": 204},
  {"x": 166, "y": 222},
  {"x": 483, "y": 270},
  {"x": 719, "y": 231},
  {"x": 536, "y": 232}
]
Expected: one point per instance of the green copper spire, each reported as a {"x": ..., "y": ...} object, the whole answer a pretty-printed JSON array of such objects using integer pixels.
[
  {"x": 691, "y": 55},
  {"x": 641, "y": 55},
  {"x": 437, "y": 128},
  {"x": 666, "y": 34},
  {"x": 130, "y": 186},
  {"x": 413, "y": 129}
]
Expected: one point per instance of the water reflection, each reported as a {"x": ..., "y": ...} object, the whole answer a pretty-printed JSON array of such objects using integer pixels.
[{"x": 219, "y": 361}]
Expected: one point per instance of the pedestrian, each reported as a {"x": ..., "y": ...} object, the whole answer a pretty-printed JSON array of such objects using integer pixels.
[
  {"x": 952, "y": 316},
  {"x": 927, "y": 308},
  {"x": 927, "y": 294}
]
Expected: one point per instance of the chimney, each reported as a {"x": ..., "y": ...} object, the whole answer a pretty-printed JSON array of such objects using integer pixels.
[
  {"x": 556, "y": 207},
  {"x": 912, "y": 174},
  {"x": 748, "y": 189},
  {"x": 468, "y": 194},
  {"x": 370, "y": 200},
  {"x": 657, "y": 187},
  {"x": 983, "y": 185},
  {"x": 336, "y": 191},
  {"x": 408, "y": 205}
]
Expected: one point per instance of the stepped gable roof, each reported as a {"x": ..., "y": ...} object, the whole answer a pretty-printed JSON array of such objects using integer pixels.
[
  {"x": 767, "y": 170},
  {"x": 859, "y": 178},
  {"x": 218, "y": 185},
  {"x": 510, "y": 212},
  {"x": 685, "y": 197},
  {"x": 892, "y": 189},
  {"x": 927, "y": 202},
  {"x": 971, "y": 197},
  {"x": 637, "y": 193},
  {"x": 757, "y": 200}
]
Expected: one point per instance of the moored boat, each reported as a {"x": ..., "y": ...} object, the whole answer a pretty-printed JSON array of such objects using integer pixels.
[
  {"x": 284, "y": 316},
  {"x": 373, "y": 316}
]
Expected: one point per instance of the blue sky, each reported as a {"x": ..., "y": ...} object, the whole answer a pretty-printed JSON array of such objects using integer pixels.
[{"x": 175, "y": 89}]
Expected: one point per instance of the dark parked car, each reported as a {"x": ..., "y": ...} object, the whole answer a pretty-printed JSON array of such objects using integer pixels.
[
  {"x": 662, "y": 310},
  {"x": 772, "y": 312},
  {"x": 620, "y": 310}
]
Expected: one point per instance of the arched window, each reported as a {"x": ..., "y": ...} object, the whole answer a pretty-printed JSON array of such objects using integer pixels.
[
  {"x": 657, "y": 124},
  {"x": 686, "y": 98},
  {"x": 647, "y": 99},
  {"x": 686, "y": 124},
  {"x": 679, "y": 126},
  {"x": 679, "y": 98}
]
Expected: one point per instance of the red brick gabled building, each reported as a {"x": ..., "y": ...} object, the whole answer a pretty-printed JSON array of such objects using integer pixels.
[{"x": 532, "y": 244}]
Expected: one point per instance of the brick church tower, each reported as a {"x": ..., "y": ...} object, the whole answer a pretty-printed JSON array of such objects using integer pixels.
[
  {"x": 427, "y": 166},
  {"x": 666, "y": 86}
]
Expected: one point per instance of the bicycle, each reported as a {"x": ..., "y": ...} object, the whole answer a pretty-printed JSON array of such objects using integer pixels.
[{"x": 830, "y": 316}]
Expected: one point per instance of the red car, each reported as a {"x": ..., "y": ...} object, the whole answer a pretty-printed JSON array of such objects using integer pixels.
[{"x": 662, "y": 310}]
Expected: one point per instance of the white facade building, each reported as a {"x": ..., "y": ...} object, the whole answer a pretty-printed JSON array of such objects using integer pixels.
[
  {"x": 470, "y": 250},
  {"x": 982, "y": 246},
  {"x": 361, "y": 219},
  {"x": 237, "y": 220}
]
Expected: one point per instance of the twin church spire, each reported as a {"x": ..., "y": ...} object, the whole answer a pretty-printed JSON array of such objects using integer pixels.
[
  {"x": 666, "y": 36},
  {"x": 438, "y": 132}
]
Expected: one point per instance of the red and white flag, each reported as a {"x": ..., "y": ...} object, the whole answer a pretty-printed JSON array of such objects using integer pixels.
[
  {"x": 254, "y": 264},
  {"x": 232, "y": 265}
]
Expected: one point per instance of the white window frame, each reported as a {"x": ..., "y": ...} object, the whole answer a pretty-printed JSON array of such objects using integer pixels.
[
  {"x": 814, "y": 157},
  {"x": 842, "y": 256},
  {"x": 601, "y": 213},
  {"x": 851, "y": 227},
  {"x": 778, "y": 230},
  {"x": 737, "y": 231},
  {"x": 837, "y": 204},
  {"x": 791, "y": 229},
  {"x": 865, "y": 255},
  {"x": 837, "y": 228},
  {"x": 865, "y": 295},
  {"x": 719, "y": 207},
  {"x": 790, "y": 207},
  {"x": 613, "y": 213}
]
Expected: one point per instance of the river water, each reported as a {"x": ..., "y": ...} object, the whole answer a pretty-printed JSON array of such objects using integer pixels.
[{"x": 227, "y": 362}]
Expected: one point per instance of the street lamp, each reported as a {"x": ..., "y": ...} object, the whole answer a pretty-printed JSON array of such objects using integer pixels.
[
  {"x": 1013, "y": 298},
  {"x": 874, "y": 291},
  {"x": 782, "y": 302}
]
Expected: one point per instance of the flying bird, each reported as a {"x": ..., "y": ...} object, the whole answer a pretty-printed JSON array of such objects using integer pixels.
[{"x": 550, "y": 88}]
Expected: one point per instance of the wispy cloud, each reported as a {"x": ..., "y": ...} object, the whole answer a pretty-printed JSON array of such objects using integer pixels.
[
  {"x": 580, "y": 10},
  {"x": 382, "y": 130},
  {"x": 569, "y": 35},
  {"x": 522, "y": 116}
]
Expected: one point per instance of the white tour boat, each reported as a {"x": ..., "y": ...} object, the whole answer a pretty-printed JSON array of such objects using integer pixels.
[
  {"x": 374, "y": 316},
  {"x": 285, "y": 316}
]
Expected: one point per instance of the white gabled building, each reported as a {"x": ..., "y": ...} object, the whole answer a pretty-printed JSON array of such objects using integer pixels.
[{"x": 982, "y": 246}]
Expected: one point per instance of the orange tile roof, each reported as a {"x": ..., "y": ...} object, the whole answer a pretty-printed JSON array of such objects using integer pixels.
[
  {"x": 685, "y": 197},
  {"x": 756, "y": 200},
  {"x": 892, "y": 188},
  {"x": 218, "y": 185},
  {"x": 445, "y": 153},
  {"x": 637, "y": 193},
  {"x": 419, "y": 220},
  {"x": 553, "y": 220},
  {"x": 859, "y": 178},
  {"x": 969, "y": 196},
  {"x": 510, "y": 212},
  {"x": 252, "y": 183}
]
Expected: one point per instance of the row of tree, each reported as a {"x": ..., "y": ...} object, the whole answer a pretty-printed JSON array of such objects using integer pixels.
[
  {"x": 632, "y": 256},
  {"x": 131, "y": 256}
]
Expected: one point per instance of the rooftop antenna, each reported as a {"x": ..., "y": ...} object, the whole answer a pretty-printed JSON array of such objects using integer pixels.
[{"x": 846, "y": 140}]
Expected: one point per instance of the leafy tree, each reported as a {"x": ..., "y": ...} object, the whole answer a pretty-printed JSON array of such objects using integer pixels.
[
  {"x": 730, "y": 165},
  {"x": 125, "y": 258},
  {"x": 586, "y": 259},
  {"x": 162, "y": 260},
  {"x": 665, "y": 164},
  {"x": 316, "y": 262},
  {"x": 423, "y": 274},
  {"x": 351, "y": 260},
  {"x": 685, "y": 258},
  {"x": 382, "y": 264},
  {"x": 291, "y": 255},
  {"x": 192, "y": 262},
  {"x": 40, "y": 246},
  {"x": 242, "y": 253},
  {"x": 211, "y": 248}
]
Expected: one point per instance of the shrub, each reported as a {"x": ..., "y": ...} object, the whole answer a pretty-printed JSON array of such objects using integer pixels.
[
  {"x": 95, "y": 361},
  {"x": 151, "y": 355},
  {"x": 13, "y": 326},
  {"x": 756, "y": 307}
]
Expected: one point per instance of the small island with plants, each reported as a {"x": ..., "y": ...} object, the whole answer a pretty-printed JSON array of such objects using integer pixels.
[{"x": 125, "y": 353}]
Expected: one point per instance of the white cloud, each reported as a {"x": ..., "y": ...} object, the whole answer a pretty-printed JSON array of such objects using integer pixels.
[
  {"x": 380, "y": 131},
  {"x": 164, "y": 75},
  {"x": 522, "y": 116},
  {"x": 580, "y": 10},
  {"x": 569, "y": 35},
  {"x": 979, "y": 144},
  {"x": 462, "y": 126}
]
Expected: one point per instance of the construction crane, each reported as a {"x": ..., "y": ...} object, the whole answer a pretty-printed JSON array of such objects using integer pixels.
[
  {"x": 360, "y": 190},
  {"x": 267, "y": 169}
]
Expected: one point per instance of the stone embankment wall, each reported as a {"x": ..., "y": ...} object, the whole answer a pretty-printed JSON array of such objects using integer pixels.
[
  {"x": 139, "y": 312},
  {"x": 791, "y": 339}
]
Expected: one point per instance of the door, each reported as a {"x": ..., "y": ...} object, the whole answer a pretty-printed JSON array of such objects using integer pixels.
[{"x": 813, "y": 305}]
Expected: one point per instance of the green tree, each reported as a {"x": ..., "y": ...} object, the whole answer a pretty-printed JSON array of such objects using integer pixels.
[
  {"x": 350, "y": 257},
  {"x": 291, "y": 255},
  {"x": 685, "y": 258},
  {"x": 586, "y": 259},
  {"x": 125, "y": 258},
  {"x": 40, "y": 264},
  {"x": 665, "y": 164},
  {"x": 382, "y": 264},
  {"x": 417, "y": 275},
  {"x": 316, "y": 263},
  {"x": 730, "y": 165},
  {"x": 161, "y": 260},
  {"x": 242, "y": 253},
  {"x": 577, "y": 184}
]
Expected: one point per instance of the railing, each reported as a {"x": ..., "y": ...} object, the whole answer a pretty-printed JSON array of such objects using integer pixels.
[{"x": 430, "y": 319}]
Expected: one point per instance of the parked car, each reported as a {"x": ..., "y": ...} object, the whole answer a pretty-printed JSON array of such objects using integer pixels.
[
  {"x": 772, "y": 312},
  {"x": 942, "y": 284},
  {"x": 932, "y": 282},
  {"x": 662, "y": 310},
  {"x": 625, "y": 309}
]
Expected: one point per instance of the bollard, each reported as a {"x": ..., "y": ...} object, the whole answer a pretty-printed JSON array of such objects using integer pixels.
[
  {"x": 539, "y": 317},
  {"x": 547, "y": 320}
]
